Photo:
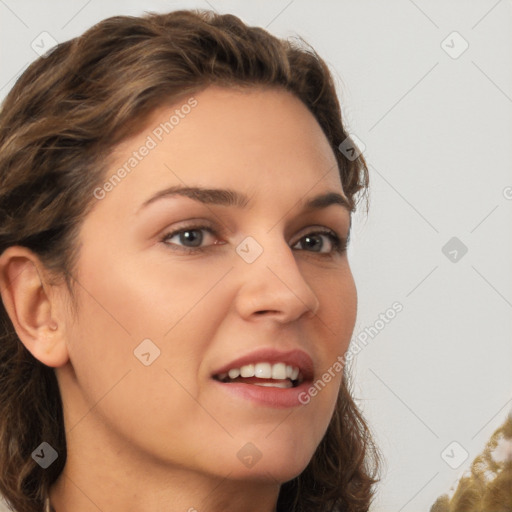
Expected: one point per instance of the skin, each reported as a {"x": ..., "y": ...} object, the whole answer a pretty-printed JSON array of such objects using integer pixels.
[{"x": 162, "y": 437}]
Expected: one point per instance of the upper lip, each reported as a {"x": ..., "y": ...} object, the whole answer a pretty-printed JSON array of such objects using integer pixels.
[{"x": 296, "y": 357}]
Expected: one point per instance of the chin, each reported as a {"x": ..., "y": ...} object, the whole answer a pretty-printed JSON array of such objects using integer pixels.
[
  {"x": 275, "y": 462},
  {"x": 269, "y": 473}
]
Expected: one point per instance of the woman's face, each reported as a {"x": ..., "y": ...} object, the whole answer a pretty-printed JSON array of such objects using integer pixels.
[{"x": 178, "y": 293}]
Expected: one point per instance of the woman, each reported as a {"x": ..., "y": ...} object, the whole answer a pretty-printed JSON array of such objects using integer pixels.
[{"x": 177, "y": 299}]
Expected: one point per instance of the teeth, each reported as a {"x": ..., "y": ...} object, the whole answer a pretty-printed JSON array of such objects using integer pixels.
[
  {"x": 263, "y": 371},
  {"x": 247, "y": 370},
  {"x": 284, "y": 384},
  {"x": 277, "y": 371},
  {"x": 234, "y": 373}
]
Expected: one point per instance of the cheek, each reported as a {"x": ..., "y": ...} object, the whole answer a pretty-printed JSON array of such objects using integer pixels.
[
  {"x": 338, "y": 309},
  {"x": 144, "y": 301},
  {"x": 139, "y": 402},
  {"x": 332, "y": 331},
  {"x": 338, "y": 317},
  {"x": 176, "y": 307}
]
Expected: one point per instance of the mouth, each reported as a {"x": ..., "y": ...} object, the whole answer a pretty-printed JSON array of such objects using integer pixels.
[
  {"x": 265, "y": 374},
  {"x": 267, "y": 377}
]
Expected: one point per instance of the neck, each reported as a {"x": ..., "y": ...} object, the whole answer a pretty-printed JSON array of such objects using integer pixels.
[{"x": 95, "y": 482}]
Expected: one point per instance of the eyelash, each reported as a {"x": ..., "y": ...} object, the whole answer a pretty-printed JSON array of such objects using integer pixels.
[{"x": 339, "y": 244}]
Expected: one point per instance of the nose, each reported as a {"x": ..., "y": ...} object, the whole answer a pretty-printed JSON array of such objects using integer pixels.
[{"x": 273, "y": 285}]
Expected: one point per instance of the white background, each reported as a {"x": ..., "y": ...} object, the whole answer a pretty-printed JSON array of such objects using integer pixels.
[{"x": 437, "y": 132}]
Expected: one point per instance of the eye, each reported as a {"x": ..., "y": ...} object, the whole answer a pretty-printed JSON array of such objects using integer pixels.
[
  {"x": 315, "y": 242},
  {"x": 190, "y": 238},
  {"x": 194, "y": 239}
]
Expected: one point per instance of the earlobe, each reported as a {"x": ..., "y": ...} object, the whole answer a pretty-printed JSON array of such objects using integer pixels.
[{"x": 32, "y": 307}]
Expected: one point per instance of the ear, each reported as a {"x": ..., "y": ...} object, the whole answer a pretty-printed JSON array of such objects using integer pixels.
[{"x": 33, "y": 305}]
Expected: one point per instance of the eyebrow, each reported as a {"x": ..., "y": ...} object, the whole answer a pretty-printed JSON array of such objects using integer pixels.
[{"x": 228, "y": 197}]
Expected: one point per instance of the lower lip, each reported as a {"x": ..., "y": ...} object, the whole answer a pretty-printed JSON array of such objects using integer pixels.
[{"x": 279, "y": 398}]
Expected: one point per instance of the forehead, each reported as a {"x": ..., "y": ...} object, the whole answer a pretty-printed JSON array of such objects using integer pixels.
[{"x": 250, "y": 139}]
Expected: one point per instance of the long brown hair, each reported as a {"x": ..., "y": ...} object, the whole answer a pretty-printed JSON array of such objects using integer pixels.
[{"x": 58, "y": 125}]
